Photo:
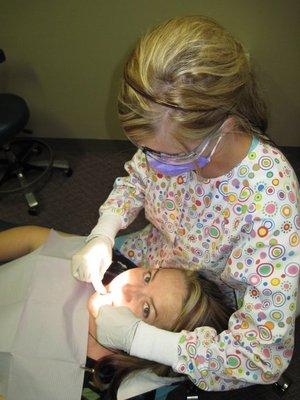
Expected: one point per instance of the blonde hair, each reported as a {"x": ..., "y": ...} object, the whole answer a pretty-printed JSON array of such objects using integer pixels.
[
  {"x": 191, "y": 73},
  {"x": 203, "y": 305}
]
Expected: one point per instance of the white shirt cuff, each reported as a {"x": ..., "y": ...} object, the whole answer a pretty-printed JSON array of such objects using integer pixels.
[{"x": 155, "y": 344}]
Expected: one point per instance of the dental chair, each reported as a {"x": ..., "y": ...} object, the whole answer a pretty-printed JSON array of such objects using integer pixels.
[
  {"x": 24, "y": 163},
  {"x": 186, "y": 390}
]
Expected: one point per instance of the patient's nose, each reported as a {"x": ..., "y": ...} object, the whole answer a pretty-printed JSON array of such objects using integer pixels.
[{"x": 132, "y": 292}]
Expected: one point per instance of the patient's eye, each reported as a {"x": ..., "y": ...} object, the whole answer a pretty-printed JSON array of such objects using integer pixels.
[
  {"x": 146, "y": 310},
  {"x": 147, "y": 277}
]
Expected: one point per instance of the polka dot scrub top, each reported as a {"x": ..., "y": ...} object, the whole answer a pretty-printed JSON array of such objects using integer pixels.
[{"x": 242, "y": 229}]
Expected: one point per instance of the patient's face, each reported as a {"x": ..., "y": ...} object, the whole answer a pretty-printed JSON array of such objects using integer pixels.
[{"x": 154, "y": 295}]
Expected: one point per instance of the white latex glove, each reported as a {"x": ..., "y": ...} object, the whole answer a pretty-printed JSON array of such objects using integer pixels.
[
  {"x": 119, "y": 328},
  {"x": 96, "y": 301},
  {"x": 116, "y": 327},
  {"x": 91, "y": 262}
]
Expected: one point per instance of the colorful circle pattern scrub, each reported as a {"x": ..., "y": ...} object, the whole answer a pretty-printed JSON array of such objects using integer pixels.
[{"x": 242, "y": 229}]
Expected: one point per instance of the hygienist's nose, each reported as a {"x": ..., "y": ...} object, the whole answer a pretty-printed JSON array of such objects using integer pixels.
[{"x": 132, "y": 292}]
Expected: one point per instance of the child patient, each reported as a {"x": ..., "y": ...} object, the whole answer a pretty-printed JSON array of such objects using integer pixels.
[{"x": 167, "y": 298}]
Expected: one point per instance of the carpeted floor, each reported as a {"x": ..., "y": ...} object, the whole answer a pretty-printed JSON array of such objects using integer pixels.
[{"x": 71, "y": 204}]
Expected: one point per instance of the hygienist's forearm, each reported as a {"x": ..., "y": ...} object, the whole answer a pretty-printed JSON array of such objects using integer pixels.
[{"x": 17, "y": 242}]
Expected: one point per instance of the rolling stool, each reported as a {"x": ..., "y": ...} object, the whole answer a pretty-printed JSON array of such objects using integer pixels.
[{"x": 22, "y": 161}]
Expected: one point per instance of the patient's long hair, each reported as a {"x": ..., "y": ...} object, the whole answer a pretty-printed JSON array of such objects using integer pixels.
[{"x": 203, "y": 306}]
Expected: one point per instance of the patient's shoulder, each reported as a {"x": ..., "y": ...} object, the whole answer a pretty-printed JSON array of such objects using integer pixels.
[{"x": 37, "y": 235}]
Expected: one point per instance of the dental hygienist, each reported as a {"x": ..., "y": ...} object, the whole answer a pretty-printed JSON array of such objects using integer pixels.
[{"x": 219, "y": 196}]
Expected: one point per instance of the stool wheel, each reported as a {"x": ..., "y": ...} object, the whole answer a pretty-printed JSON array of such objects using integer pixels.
[
  {"x": 33, "y": 211},
  {"x": 68, "y": 172}
]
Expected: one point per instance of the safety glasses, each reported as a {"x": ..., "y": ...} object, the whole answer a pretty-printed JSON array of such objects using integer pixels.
[{"x": 203, "y": 148}]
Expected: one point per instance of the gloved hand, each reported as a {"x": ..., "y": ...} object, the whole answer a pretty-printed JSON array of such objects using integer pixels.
[
  {"x": 91, "y": 262},
  {"x": 116, "y": 327},
  {"x": 96, "y": 301},
  {"x": 119, "y": 328}
]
